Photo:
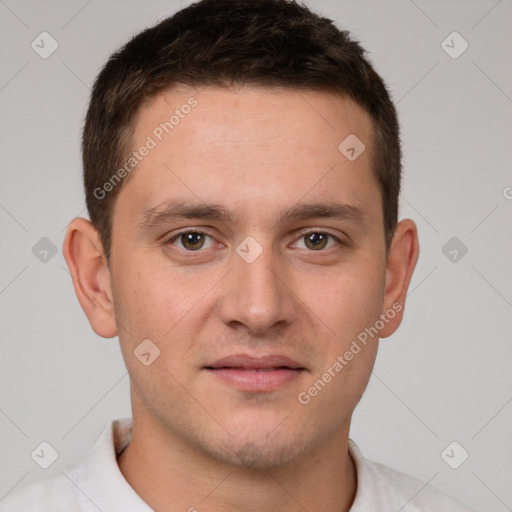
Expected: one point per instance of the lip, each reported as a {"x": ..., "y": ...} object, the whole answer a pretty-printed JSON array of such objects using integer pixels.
[{"x": 250, "y": 373}]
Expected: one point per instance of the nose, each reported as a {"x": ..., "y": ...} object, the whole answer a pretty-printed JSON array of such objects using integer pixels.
[{"x": 258, "y": 294}]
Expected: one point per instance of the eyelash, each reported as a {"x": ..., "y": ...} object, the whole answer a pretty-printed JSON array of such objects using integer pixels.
[{"x": 174, "y": 237}]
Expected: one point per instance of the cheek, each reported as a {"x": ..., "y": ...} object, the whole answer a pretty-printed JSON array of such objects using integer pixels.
[
  {"x": 351, "y": 308},
  {"x": 162, "y": 306},
  {"x": 346, "y": 302},
  {"x": 150, "y": 299}
]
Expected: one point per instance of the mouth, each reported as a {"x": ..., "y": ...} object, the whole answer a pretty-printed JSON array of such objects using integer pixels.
[{"x": 249, "y": 373}]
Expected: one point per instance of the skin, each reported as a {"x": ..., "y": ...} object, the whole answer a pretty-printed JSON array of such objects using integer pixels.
[{"x": 198, "y": 441}]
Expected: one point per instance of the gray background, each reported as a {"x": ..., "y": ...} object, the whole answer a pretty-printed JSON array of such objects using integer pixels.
[{"x": 444, "y": 376}]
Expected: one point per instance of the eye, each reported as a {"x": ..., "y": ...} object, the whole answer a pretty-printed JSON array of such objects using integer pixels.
[
  {"x": 194, "y": 241},
  {"x": 317, "y": 240},
  {"x": 191, "y": 240}
]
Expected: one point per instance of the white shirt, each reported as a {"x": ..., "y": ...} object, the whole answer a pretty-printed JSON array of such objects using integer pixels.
[{"x": 95, "y": 483}]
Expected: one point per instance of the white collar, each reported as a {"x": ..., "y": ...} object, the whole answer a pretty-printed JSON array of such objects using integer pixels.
[{"x": 98, "y": 473}]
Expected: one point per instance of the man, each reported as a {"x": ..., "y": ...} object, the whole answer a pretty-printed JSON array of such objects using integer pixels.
[{"x": 242, "y": 173}]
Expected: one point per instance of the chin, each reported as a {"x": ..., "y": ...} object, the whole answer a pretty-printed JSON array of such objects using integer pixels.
[
  {"x": 261, "y": 457},
  {"x": 258, "y": 451}
]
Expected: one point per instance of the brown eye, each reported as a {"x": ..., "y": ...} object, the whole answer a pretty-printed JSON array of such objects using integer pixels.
[
  {"x": 190, "y": 240},
  {"x": 316, "y": 241}
]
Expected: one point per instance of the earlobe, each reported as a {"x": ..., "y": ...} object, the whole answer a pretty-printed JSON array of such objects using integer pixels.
[
  {"x": 87, "y": 265},
  {"x": 402, "y": 258}
]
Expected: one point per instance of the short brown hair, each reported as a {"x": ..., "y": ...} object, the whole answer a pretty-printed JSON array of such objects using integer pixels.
[{"x": 270, "y": 43}]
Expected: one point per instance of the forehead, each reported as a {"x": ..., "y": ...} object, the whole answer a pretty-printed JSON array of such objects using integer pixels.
[
  {"x": 249, "y": 146},
  {"x": 252, "y": 114}
]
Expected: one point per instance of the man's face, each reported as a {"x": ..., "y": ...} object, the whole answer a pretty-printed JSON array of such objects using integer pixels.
[{"x": 205, "y": 297}]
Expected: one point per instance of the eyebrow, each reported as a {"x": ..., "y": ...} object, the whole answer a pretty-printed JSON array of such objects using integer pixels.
[{"x": 176, "y": 209}]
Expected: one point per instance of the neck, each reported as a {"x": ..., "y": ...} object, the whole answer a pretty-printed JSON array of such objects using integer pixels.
[{"x": 169, "y": 475}]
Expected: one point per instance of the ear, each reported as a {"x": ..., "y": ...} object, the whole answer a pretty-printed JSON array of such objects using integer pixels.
[
  {"x": 87, "y": 264},
  {"x": 402, "y": 257}
]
